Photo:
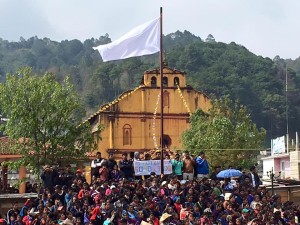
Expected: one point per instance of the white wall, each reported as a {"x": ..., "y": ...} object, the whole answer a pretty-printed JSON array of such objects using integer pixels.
[{"x": 267, "y": 166}]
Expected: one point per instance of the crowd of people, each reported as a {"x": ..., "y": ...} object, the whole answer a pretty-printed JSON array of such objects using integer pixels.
[{"x": 192, "y": 195}]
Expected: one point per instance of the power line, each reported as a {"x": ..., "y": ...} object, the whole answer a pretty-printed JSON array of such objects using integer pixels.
[
  {"x": 236, "y": 149},
  {"x": 229, "y": 149}
]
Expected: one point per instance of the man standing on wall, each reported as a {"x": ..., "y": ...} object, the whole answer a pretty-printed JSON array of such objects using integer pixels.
[
  {"x": 254, "y": 178},
  {"x": 111, "y": 162},
  {"x": 202, "y": 166},
  {"x": 188, "y": 167},
  {"x": 177, "y": 165},
  {"x": 97, "y": 164}
]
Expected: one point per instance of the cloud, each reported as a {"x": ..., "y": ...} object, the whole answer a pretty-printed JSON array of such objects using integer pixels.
[
  {"x": 20, "y": 18},
  {"x": 267, "y": 28}
]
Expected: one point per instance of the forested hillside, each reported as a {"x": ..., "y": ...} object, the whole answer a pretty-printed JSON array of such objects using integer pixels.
[{"x": 213, "y": 67}]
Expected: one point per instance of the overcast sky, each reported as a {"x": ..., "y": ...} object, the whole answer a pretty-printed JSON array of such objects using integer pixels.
[{"x": 266, "y": 27}]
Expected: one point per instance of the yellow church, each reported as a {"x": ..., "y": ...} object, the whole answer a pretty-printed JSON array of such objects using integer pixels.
[{"x": 132, "y": 121}]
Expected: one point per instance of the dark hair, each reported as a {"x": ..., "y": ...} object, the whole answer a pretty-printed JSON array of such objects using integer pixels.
[
  {"x": 252, "y": 168},
  {"x": 125, "y": 154},
  {"x": 98, "y": 153},
  {"x": 201, "y": 153}
]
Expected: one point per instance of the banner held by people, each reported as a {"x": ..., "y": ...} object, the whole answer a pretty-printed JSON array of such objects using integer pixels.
[{"x": 148, "y": 166}]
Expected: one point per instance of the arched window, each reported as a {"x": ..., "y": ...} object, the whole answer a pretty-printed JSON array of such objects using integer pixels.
[
  {"x": 176, "y": 81},
  {"x": 153, "y": 81},
  {"x": 165, "y": 82},
  {"x": 127, "y": 134},
  {"x": 166, "y": 99}
]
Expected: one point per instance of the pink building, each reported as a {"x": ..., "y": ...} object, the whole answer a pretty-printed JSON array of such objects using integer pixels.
[
  {"x": 279, "y": 163},
  {"x": 287, "y": 162}
]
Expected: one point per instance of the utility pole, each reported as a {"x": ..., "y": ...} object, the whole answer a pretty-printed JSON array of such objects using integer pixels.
[{"x": 286, "y": 111}]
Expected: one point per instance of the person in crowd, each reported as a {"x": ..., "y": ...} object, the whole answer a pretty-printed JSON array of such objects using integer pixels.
[
  {"x": 58, "y": 194},
  {"x": 79, "y": 176},
  {"x": 147, "y": 157},
  {"x": 137, "y": 157},
  {"x": 202, "y": 166},
  {"x": 165, "y": 219},
  {"x": 97, "y": 164},
  {"x": 12, "y": 213},
  {"x": 104, "y": 172},
  {"x": 69, "y": 176},
  {"x": 167, "y": 157},
  {"x": 49, "y": 177},
  {"x": 115, "y": 174},
  {"x": 188, "y": 167},
  {"x": 241, "y": 179},
  {"x": 126, "y": 166},
  {"x": 177, "y": 165},
  {"x": 61, "y": 176},
  {"x": 157, "y": 155},
  {"x": 217, "y": 190},
  {"x": 213, "y": 175},
  {"x": 227, "y": 185}
]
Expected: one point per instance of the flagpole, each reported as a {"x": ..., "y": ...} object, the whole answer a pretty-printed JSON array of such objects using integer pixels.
[{"x": 161, "y": 97}]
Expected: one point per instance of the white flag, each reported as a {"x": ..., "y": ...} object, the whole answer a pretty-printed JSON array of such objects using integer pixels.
[{"x": 142, "y": 40}]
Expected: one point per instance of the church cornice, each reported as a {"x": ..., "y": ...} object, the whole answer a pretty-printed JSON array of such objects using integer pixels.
[{"x": 166, "y": 70}]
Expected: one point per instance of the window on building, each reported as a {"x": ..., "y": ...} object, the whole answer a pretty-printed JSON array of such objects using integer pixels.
[
  {"x": 165, "y": 82},
  {"x": 153, "y": 82},
  {"x": 176, "y": 81},
  {"x": 127, "y": 140},
  {"x": 166, "y": 99}
]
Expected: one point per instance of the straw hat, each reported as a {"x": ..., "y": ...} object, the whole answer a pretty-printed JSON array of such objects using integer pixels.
[
  {"x": 164, "y": 183},
  {"x": 164, "y": 217}
]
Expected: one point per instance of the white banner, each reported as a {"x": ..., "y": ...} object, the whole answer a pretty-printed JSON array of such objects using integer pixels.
[
  {"x": 148, "y": 166},
  {"x": 278, "y": 145}
]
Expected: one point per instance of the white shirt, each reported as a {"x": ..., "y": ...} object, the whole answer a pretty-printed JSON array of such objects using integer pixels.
[
  {"x": 97, "y": 162},
  {"x": 253, "y": 180}
]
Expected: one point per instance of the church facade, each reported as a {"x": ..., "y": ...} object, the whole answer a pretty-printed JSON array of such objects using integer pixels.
[{"x": 132, "y": 122}]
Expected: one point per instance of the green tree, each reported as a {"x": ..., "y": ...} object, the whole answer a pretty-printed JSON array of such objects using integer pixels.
[
  {"x": 227, "y": 133},
  {"x": 210, "y": 38},
  {"x": 42, "y": 119}
]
